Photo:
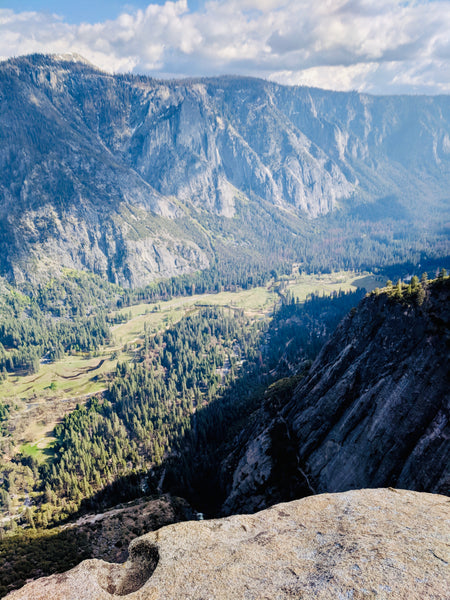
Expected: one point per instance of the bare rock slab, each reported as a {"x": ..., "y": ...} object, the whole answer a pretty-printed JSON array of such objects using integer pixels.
[{"x": 363, "y": 544}]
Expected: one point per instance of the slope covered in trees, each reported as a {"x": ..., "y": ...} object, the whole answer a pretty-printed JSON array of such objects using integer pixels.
[
  {"x": 182, "y": 415},
  {"x": 185, "y": 390}
]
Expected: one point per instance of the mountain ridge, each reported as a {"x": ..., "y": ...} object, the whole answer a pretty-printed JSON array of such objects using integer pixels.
[{"x": 99, "y": 168}]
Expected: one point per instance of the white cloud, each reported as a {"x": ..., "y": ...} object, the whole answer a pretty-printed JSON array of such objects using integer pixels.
[
  {"x": 382, "y": 46},
  {"x": 340, "y": 78}
]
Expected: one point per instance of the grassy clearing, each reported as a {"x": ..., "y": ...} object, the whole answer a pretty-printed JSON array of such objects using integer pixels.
[
  {"x": 78, "y": 376},
  {"x": 30, "y": 450},
  {"x": 74, "y": 375},
  {"x": 160, "y": 315},
  {"x": 326, "y": 284},
  {"x": 39, "y": 450},
  {"x": 33, "y": 424},
  {"x": 44, "y": 398}
]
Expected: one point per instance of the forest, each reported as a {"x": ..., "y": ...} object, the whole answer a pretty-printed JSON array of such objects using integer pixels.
[
  {"x": 170, "y": 414},
  {"x": 154, "y": 407}
]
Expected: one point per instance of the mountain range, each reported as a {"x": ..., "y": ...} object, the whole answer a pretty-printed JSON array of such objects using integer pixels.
[{"x": 134, "y": 178}]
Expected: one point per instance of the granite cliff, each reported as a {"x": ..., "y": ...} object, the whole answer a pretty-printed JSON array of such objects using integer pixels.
[
  {"x": 381, "y": 543},
  {"x": 134, "y": 178},
  {"x": 374, "y": 410}
]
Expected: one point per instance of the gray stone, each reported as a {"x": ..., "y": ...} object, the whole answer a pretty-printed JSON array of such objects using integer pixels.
[
  {"x": 374, "y": 411},
  {"x": 384, "y": 543}
]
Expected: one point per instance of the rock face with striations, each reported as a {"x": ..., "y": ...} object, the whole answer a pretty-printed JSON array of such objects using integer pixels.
[
  {"x": 374, "y": 411},
  {"x": 133, "y": 178},
  {"x": 383, "y": 543}
]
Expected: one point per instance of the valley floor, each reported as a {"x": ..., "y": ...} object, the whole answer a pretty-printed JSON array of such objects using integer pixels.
[{"x": 42, "y": 399}]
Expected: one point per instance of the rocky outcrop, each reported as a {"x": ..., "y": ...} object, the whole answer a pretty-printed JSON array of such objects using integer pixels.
[
  {"x": 383, "y": 543},
  {"x": 373, "y": 411},
  {"x": 112, "y": 173},
  {"x": 109, "y": 533},
  {"x": 102, "y": 535}
]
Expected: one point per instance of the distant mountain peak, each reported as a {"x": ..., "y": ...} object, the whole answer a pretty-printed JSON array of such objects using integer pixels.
[
  {"x": 39, "y": 60},
  {"x": 73, "y": 57}
]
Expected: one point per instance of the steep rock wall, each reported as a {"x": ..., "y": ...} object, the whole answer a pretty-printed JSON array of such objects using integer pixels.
[
  {"x": 96, "y": 169},
  {"x": 373, "y": 411}
]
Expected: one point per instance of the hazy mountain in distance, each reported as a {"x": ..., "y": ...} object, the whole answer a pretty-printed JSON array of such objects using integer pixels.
[{"x": 135, "y": 178}]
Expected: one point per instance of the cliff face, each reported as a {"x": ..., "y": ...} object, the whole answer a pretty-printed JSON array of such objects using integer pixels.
[
  {"x": 373, "y": 411},
  {"x": 112, "y": 173},
  {"x": 360, "y": 544}
]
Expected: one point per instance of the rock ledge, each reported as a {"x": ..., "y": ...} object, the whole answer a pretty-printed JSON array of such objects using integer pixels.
[{"x": 365, "y": 544}]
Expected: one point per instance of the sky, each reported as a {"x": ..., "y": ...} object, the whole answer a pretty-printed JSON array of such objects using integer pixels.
[{"x": 374, "y": 46}]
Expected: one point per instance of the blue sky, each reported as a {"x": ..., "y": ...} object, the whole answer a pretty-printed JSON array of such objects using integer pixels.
[
  {"x": 376, "y": 46},
  {"x": 91, "y": 11}
]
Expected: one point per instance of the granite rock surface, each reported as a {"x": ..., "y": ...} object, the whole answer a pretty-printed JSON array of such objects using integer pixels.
[
  {"x": 373, "y": 411},
  {"x": 382, "y": 543}
]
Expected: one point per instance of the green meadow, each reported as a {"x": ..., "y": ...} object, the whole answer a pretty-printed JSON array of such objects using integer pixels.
[{"x": 40, "y": 400}]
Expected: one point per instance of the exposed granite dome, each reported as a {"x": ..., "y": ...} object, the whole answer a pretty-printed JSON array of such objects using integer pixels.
[{"x": 383, "y": 543}]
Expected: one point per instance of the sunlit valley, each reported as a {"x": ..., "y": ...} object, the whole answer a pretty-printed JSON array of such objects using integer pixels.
[{"x": 216, "y": 295}]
